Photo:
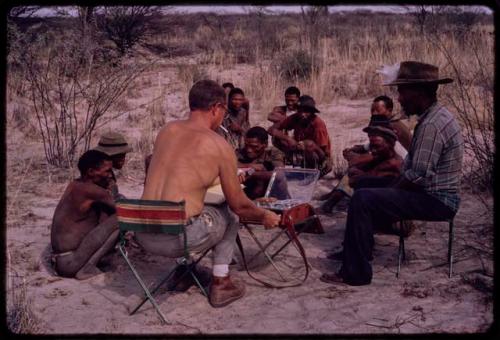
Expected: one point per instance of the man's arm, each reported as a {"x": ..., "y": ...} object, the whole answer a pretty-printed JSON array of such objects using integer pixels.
[
  {"x": 236, "y": 198},
  {"x": 92, "y": 194},
  {"x": 277, "y": 115},
  {"x": 428, "y": 147},
  {"x": 390, "y": 167}
]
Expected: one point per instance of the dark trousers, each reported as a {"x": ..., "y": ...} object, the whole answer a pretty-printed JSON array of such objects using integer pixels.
[{"x": 377, "y": 206}]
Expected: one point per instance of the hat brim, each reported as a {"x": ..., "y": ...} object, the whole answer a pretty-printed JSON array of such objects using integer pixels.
[
  {"x": 378, "y": 130},
  {"x": 419, "y": 81},
  {"x": 315, "y": 110},
  {"x": 113, "y": 150}
]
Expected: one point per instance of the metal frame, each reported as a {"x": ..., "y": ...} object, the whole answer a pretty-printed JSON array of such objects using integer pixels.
[
  {"x": 190, "y": 266},
  {"x": 299, "y": 227},
  {"x": 402, "y": 254}
]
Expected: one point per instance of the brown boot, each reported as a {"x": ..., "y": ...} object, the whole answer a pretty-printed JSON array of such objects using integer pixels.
[{"x": 223, "y": 291}]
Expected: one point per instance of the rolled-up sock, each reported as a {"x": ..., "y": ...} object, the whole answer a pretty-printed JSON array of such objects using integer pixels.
[{"x": 220, "y": 270}]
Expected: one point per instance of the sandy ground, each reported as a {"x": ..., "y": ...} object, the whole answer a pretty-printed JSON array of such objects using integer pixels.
[{"x": 422, "y": 300}]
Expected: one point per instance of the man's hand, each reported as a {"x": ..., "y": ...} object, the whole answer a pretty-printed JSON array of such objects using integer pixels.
[
  {"x": 242, "y": 177},
  {"x": 257, "y": 167},
  {"x": 270, "y": 219},
  {"x": 277, "y": 115}
]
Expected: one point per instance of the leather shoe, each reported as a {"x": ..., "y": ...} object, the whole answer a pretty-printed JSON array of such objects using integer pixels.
[{"x": 224, "y": 291}]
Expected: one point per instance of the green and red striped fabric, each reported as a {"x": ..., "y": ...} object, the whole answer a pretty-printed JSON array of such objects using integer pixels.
[{"x": 151, "y": 216}]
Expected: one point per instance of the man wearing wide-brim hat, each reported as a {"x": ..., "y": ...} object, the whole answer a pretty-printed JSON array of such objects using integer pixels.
[
  {"x": 310, "y": 136},
  {"x": 114, "y": 144},
  {"x": 428, "y": 188}
]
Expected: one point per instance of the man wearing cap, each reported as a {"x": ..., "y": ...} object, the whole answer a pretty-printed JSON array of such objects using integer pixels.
[
  {"x": 428, "y": 188},
  {"x": 359, "y": 155},
  {"x": 114, "y": 145},
  {"x": 386, "y": 163},
  {"x": 310, "y": 136}
]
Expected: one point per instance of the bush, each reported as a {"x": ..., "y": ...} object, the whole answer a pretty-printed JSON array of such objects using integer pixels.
[{"x": 298, "y": 65}]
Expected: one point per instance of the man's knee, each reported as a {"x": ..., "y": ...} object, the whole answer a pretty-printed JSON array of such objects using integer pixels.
[{"x": 364, "y": 197}]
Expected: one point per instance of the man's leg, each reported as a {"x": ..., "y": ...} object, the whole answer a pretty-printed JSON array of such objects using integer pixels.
[
  {"x": 369, "y": 207},
  {"x": 223, "y": 227},
  {"x": 94, "y": 245}
]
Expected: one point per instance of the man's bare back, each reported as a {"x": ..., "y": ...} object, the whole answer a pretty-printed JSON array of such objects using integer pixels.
[
  {"x": 187, "y": 159},
  {"x": 184, "y": 165}
]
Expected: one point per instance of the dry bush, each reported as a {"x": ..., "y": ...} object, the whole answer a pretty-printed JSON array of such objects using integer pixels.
[
  {"x": 189, "y": 74},
  {"x": 69, "y": 91},
  {"x": 126, "y": 26}
]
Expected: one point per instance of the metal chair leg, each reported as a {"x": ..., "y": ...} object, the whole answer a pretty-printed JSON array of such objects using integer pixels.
[
  {"x": 138, "y": 278},
  {"x": 450, "y": 245},
  {"x": 401, "y": 253}
]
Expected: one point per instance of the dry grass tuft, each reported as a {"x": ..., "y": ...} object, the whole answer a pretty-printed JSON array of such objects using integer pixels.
[{"x": 20, "y": 317}]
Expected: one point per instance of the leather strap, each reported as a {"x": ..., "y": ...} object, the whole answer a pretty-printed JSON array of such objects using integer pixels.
[{"x": 288, "y": 223}]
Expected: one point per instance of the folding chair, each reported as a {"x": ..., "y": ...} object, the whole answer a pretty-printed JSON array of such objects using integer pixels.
[
  {"x": 151, "y": 216},
  {"x": 297, "y": 215},
  {"x": 402, "y": 254}
]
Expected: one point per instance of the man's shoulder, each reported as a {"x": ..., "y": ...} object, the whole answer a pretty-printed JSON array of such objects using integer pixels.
[
  {"x": 318, "y": 122},
  {"x": 441, "y": 118}
]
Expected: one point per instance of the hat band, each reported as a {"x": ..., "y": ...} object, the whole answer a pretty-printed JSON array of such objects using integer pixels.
[{"x": 113, "y": 145}]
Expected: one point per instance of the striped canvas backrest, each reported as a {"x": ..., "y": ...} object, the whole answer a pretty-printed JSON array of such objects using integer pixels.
[{"x": 151, "y": 216}]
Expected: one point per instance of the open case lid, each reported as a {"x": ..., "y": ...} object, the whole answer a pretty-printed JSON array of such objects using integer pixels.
[{"x": 290, "y": 187}]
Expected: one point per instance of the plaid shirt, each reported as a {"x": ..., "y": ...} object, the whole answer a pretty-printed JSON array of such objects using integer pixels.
[{"x": 434, "y": 160}]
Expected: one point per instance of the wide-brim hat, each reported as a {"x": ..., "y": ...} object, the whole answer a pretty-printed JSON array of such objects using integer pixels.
[
  {"x": 414, "y": 72},
  {"x": 113, "y": 143},
  {"x": 381, "y": 131},
  {"x": 307, "y": 102}
]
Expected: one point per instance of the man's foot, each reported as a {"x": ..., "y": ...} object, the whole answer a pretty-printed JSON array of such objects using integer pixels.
[
  {"x": 331, "y": 278},
  {"x": 334, "y": 198},
  {"x": 88, "y": 271},
  {"x": 223, "y": 291},
  {"x": 337, "y": 256}
]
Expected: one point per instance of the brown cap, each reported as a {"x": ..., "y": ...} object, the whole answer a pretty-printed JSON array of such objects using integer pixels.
[{"x": 381, "y": 131}]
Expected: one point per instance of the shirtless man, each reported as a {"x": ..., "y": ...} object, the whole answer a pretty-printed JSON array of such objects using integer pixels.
[
  {"x": 84, "y": 227},
  {"x": 189, "y": 157}
]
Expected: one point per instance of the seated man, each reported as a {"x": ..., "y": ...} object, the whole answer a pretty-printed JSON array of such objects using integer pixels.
[
  {"x": 428, "y": 188},
  {"x": 310, "y": 143},
  {"x": 385, "y": 165},
  {"x": 114, "y": 145},
  {"x": 84, "y": 227},
  {"x": 188, "y": 157},
  {"x": 377, "y": 166},
  {"x": 381, "y": 112},
  {"x": 236, "y": 121},
  {"x": 279, "y": 113},
  {"x": 228, "y": 87},
  {"x": 257, "y": 156}
]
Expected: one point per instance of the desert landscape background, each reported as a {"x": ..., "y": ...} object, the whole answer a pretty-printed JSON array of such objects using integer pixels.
[{"x": 89, "y": 70}]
